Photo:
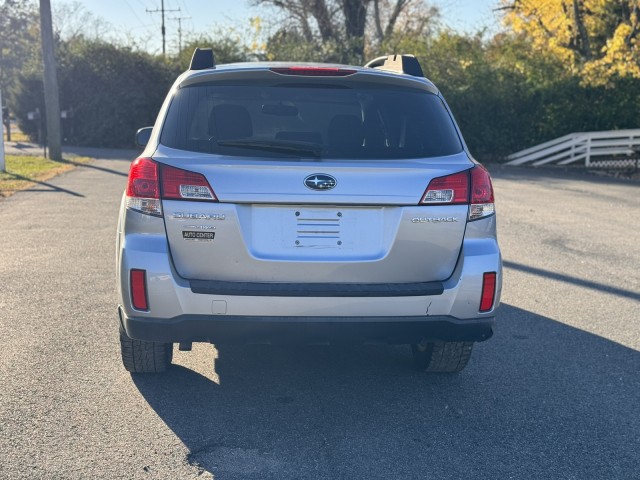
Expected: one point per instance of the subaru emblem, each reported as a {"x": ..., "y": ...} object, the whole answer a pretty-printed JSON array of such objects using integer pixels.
[{"x": 320, "y": 181}]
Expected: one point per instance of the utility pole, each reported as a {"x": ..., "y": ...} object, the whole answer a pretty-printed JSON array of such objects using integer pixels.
[
  {"x": 51, "y": 100},
  {"x": 162, "y": 10},
  {"x": 179, "y": 19}
]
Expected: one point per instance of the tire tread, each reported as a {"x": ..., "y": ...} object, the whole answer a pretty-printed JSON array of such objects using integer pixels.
[
  {"x": 139, "y": 356},
  {"x": 442, "y": 357}
]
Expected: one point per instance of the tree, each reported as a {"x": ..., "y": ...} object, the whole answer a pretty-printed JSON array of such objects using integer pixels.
[
  {"x": 596, "y": 38},
  {"x": 111, "y": 91},
  {"x": 19, "y": 41},
  {"x": 345, "y": 27},
  {"x": 51, "y": 100},
  {"x": 228, "y": 46},
  {"x": 108, "y": 91},
  {"x": 72, "y": 20}
]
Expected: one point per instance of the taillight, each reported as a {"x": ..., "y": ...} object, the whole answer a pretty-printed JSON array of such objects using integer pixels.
[
  {"x": 149, "y": 182},
  {"x": 143, "y": 187},
  {"x": 488, "y": 291},
  {"x": 481, "y": 194},
  {"x": 180, "y": 184},
  {"x": 314, "y": 71},
  {"x": 449, "y": 190},
  {"x": 471, "y": 187},
  {"x": 139, "y": 289}
]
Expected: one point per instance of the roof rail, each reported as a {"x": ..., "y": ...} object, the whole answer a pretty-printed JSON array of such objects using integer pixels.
[
  {"x": 202, "y": 59},
  {"x": 407, "y": 64}
]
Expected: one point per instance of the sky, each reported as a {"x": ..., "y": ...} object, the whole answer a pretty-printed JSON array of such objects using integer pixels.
[{"x": 130, "y": 17}]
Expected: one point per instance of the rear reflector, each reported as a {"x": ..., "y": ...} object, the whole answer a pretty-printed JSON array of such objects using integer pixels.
[
  {"x": 314, "y": 71},
  {"x": 139, "y": 289},
  {"x": 488, "y": 291},
  {"x": 449, "y": 190}
]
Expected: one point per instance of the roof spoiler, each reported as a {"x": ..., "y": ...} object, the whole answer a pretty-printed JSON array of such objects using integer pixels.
[
  {"x": 407, "y": 64},
  {"x": 202, "y": 59}
]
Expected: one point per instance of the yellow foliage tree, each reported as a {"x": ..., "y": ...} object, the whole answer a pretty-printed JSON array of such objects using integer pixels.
[{"x": 597, "y": 39}]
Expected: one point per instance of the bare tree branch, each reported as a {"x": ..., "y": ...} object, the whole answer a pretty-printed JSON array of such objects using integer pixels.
[
  {"x": 377, "y": 21},
  {"x": 324, "y": 19},
  {"x": 634, "y": 20},
  {"x": 580, "y": 34},
  {"x": 393, "y": 18}
]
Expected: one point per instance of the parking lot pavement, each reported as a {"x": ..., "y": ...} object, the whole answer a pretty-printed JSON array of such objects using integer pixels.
[{"x": 554, "y": 394}]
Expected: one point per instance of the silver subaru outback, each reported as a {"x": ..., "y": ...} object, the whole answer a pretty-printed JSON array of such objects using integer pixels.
[{"x": 313, "y": 203}]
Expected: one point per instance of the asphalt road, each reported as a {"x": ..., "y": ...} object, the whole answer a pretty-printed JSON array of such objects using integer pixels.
[{"x": 554, "y": 394}]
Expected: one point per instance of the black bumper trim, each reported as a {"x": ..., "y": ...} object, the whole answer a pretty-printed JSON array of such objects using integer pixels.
[
  {"x": 275, "y": 289},
  {"x": 306, "y": 330}
]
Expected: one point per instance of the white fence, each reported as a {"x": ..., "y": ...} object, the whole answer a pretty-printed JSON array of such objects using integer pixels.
[{"x": 585, "y": 146}]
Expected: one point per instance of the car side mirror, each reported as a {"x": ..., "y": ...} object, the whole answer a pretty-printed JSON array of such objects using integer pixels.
[{"x": 142, "y": 136}]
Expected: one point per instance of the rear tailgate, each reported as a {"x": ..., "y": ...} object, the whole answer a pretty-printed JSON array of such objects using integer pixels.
[{"x": 269, "y": 227}]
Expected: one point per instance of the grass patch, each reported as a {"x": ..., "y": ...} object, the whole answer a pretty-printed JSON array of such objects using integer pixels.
[
  {"x": 22, "y": 171},
  {"x": 17, "y": 136}
]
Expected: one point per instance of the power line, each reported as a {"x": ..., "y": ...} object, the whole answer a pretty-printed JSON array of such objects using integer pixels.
[
  {"x": 179, "y": 19},
  {"x": 134, "y": 12},
  {"x": 163, "y": 30},
  {"x": 186, "y": 9},
  {"x": 184, "y": 3}
]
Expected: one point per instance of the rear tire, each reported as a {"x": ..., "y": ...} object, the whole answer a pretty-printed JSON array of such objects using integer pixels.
[
  {"x": 441, "y": 357},
  {"x": 139, "y": 356}
]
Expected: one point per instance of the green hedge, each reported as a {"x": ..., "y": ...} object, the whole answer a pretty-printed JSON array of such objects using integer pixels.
[
  {"x": 108, "y": 91},
  {"x": 504, "y": 98}
]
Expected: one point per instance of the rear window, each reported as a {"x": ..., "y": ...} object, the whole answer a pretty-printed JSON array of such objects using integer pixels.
[{"x": 329, "y": 121}]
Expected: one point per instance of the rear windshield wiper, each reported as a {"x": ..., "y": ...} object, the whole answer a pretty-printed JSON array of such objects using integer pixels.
[{"x": 292, "y": 148}]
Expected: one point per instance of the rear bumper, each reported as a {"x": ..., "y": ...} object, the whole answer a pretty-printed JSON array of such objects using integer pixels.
[
  {"x": 306, "y": 330},
  {"x": 183, "y": 310}
]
